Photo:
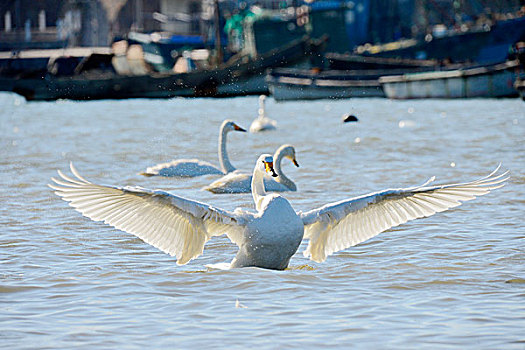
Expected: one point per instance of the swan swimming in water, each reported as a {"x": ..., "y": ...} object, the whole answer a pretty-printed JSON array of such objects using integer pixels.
[
  {"x": 195, "y": 167},
  {"x": 269, "y": 237},
  {"x": 262, "y": 123},
  {"x": 237, "y": 182}
]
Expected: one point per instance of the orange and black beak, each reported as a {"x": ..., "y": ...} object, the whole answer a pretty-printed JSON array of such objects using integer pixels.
[
  {"x": 238, "y": 128},
  {"x": 269, "y": 168},
  {"x": 295, "y": 162}
]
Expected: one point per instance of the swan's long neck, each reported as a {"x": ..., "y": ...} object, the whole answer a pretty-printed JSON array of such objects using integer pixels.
[
  {"x": 224, "y": 161},
  {"x": 258, "y": 191},
  {"x": 281, "y": 178},
  {"x": 261, "y": 108}
]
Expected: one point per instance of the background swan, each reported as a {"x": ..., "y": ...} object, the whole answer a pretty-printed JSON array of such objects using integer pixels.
[
  {"x": 237, "y": 182},
  {"x": 195, "y": 167},
  {"x": 262, "y": 123},
  {"x": 270, "y": 236}
]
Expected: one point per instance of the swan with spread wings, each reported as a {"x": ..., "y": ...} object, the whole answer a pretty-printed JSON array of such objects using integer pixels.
[{"x": 271, "y": 235}]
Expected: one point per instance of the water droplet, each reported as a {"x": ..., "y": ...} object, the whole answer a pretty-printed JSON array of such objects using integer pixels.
[
  {"x": 453, "y": 165},
  {"x": 357, "y": 140},
  {"x": 407, "y": 124}
]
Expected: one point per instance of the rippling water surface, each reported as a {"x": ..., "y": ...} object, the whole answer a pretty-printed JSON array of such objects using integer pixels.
[{"x": 454, "y": 280}]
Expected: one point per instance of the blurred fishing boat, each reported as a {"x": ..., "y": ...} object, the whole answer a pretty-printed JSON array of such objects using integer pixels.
[
  {"x": 485, "y": 44},
  {"x": 129, "y": 76},
  {"x": 301, "y": 84},
  {"x": 310, "y": 84},
  {"x": 161, "y": 51},
  {"x": 160, "y": 64},
  {"x": 482, "y": 81}
]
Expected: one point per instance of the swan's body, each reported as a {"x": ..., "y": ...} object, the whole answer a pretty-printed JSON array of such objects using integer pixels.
[
  {"x": 237, "y": 182},
  {"x": 269, "y": 237},
  {"x": 265, "y": 244},
  {"x": 262, "y": 123},
  {"x": 195, "y": 167}
]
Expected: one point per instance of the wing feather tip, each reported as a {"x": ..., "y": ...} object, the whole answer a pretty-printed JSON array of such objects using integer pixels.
[
  {"x": 53, "y": 186},
  {"x": 61, "y": 174}
]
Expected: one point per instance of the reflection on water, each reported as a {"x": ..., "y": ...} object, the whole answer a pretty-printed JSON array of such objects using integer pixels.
[{"x": 451, "y": 280}]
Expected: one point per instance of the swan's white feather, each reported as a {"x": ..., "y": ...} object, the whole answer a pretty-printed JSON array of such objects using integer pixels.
[
  {"x": 238, "y": 182},
  {"x": 343, "y": 224},
  {"x": 175, "y": 225},
  {"x": 184, "y": 168},
  {"x": 262, "y": 124}
]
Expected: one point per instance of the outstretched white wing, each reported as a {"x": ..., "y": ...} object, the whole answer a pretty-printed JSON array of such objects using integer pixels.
[
  {"x": 340, "y": 225},
  {"x": 175, "y": 225}
]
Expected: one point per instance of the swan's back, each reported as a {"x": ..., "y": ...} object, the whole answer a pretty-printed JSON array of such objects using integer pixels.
[
  {"x": 183, "y": 168},
  {"x": 241, "y": 183},
  {"x": 273, "y": 186},
  {"x": 272, "y": 237},
  {"x": 234, "y": 182},
  {"x": 263, "y": 124}
]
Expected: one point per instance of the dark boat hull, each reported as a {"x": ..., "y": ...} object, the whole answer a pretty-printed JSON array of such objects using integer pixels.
[
  {"x": 292, "y": 90},
  {"x": 337, "y": 61},
  {"x": 296, "y": 84},
  {"x": 242, "y": 77}
]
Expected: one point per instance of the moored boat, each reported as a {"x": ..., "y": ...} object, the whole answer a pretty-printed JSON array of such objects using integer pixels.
[
  {"x": 297, "y": 84},
  {"x": 236, "y": 77},
  {"x": 293, "y": 84},
  {"x": 483, "y": 81}
]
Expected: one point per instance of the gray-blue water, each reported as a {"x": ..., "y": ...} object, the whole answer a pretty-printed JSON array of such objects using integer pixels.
[{"x": 454, "y": 280}]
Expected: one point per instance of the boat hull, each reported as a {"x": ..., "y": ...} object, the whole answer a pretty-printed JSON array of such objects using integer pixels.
[
  {"x": 489, "y": 81},
  {"x": 300, "y": 84},
  {"x": 322, "y": 89},
  {"x": 242, "y": 77}
]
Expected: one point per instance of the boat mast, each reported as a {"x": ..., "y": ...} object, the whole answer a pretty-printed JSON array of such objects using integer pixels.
[{"x": 218, "y": 44}]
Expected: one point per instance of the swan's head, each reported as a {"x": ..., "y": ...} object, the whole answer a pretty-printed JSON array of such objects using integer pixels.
[
  {"x": 265, "y": 164},
  {"x": 229, "y": 125},
  {"x": 288, "y": 151}
]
